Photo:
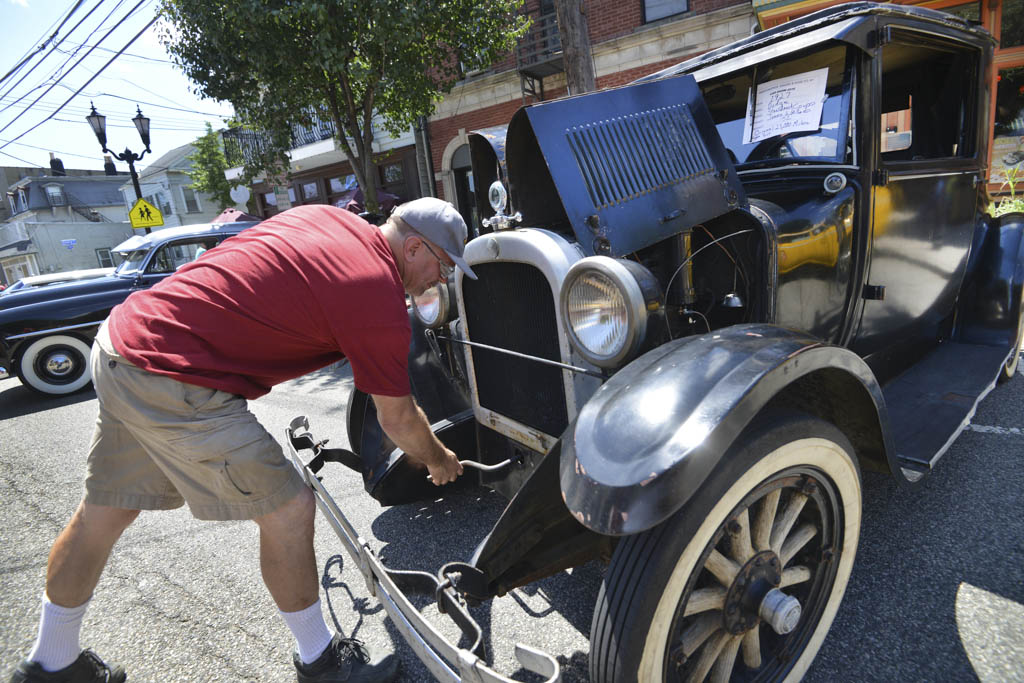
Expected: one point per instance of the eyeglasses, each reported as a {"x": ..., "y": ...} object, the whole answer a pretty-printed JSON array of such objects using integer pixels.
[{"x": 446, "y": 270}]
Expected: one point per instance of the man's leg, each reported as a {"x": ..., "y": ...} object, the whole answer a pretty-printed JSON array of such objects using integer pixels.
[
  {"x": 287, "y": 559},
  {"x": 81, "y": 551},
  {"x": 288, "y": 564},
  {"x": 73, "y": 570}
]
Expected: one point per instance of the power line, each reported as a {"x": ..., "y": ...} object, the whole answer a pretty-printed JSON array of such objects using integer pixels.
[
  {"x": 123, "y": 19},
  {"x": 28, "y": 56},
  {"x": 114, "y": 125},
  {"x": 8, "y": 154},
  {"x": 52, "y": 49},
  {"x": 129, "y": 54},
  {"x": 55, "y": 73},
  {"x": 111, "y": 61}
]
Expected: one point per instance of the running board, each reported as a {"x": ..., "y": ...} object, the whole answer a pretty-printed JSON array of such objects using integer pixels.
[{"x": 932, "y": 402}]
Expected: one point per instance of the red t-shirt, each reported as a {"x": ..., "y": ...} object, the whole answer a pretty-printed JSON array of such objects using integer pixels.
[{"x": 295, "y": 293}]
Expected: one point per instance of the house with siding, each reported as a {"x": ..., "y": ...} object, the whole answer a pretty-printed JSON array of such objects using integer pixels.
[
  {"x": 165, "y": 184},
  {"x": 59, "y": 222}
]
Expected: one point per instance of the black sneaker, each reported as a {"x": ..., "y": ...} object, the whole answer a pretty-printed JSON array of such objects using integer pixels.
[
  {"x": 347, "y": 660},
  {"x": 88, "y": 668}
]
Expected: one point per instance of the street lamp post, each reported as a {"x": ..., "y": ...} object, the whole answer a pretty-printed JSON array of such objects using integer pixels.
[{"x": 99, "y": 127}]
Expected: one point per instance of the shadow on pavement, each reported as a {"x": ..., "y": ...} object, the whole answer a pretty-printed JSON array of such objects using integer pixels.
[{"x": 16, "y": 400}]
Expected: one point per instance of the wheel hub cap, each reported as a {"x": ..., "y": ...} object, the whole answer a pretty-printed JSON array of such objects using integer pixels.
[
  {"x": 754, "y": 595},
  {"x": 59, "y": 364}
]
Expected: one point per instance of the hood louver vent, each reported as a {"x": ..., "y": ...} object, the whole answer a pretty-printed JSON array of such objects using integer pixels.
[{"x": 627, "y": 157}]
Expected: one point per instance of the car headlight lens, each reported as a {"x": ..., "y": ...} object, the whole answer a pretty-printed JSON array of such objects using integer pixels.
[
  {"x": 597, "y": 314},
  {"x": 433, "y": 307},
  {"x": 605, "y": 304}
]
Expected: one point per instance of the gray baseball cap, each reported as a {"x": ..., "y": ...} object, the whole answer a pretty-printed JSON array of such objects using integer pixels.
[{"x": 439, "y": 222}]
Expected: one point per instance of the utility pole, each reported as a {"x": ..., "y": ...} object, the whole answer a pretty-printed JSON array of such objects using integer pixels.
[{"x": 579, "y": 61}]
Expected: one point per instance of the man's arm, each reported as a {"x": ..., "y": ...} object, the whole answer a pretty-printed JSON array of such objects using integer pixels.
[{"x": 406, "y": 425}]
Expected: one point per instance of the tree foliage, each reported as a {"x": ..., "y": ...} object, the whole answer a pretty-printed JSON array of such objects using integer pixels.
[
  {"x": 208, "y": 167},
  {"x": 285, "y": 62}
]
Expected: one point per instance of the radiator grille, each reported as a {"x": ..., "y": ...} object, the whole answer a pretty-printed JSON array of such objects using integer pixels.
[
  {"x": 629, "y": 156},
  {"x": 511, "y": 306}
]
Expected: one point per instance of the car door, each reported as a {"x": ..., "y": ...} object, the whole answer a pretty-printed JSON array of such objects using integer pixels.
[
  {"x": 925, "y": 190},
  {"x": 171, "y": 255}
]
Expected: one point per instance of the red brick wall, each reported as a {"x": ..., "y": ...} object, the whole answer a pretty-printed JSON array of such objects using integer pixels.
[{"x": 442, "y": 132}]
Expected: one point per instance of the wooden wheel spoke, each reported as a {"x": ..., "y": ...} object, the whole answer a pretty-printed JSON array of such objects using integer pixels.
[
  {"x": 708, "y": 656},
  {"x": 724, "y": 569},
  {"x": 704, "y": 599},
  {"x": 698, "y": 632},
  {"x": 752, "y": 648},
  {"x": 739, "y": 538},
  {"x": 765, "y": 519},
  {"x": 782, "y": 526},
  {"x": 797, "y": 540},
  {"x": 722, "y": 671},
  {"x": 794, "y": 575}
]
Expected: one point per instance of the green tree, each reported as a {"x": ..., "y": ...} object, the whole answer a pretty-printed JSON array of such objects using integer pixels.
[
  {"x": 208, "y": 166},
  {"x": 282, "y": 63}
]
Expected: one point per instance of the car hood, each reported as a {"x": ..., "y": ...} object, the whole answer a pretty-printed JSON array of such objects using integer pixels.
[{"x": 32, "y": 296}]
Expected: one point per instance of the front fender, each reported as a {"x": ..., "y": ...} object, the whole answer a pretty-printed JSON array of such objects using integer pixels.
[{"x": 650, "y": 435}]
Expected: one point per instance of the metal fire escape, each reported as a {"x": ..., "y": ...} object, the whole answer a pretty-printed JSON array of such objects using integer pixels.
[{"x": 539, "y": 54}]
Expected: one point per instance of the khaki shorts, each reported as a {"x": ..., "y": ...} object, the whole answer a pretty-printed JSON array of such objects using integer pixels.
[{"x": 159, "y": 442}]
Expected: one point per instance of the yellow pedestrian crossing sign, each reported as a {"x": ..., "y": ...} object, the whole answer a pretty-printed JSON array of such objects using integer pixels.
[{"x": 145, "y": 215}]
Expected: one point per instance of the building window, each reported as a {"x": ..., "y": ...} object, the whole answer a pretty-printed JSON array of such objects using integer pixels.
[
  {"x": 10, "y": 200},
  {"x": 191, "y": 200},
  {"x": 19, "y": 266},
  {"x": 343, "y": 183},
  {"x": 105, "y": 258},
  {"x": 1008, "y": 143},
  {"x": 659, "y": 9},
  {"x": 392, "y": 173},
  {"x": 159, "y": 200},
  {"x": 55, "y": 195},
  {"x": 1011, "y": 32},
  {"x": 22, "y": 200},
  {"x": 309, "y": 191}
]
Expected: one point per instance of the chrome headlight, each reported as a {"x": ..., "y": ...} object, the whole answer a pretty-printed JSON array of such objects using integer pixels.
[
  {"x": 605, "y": 304},
  {"x": 433, "y": 308}
]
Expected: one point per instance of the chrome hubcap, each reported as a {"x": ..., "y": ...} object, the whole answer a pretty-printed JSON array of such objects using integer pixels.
[{"x": 59, "y": 364}]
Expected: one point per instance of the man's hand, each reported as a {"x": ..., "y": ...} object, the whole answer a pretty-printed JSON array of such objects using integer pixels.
[
  {"x": 407, "y": 426},
  {"x": 446, "y": 469}
]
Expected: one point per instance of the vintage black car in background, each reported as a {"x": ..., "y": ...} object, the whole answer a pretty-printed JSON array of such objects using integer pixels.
[
  {"x": 707, "y": 301},
  {"x": 46, "y": 331}
]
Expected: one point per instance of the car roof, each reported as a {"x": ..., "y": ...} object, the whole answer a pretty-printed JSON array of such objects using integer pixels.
[
  {"x": 850, "y": 22},
  {"x": 157, "y": 237}
]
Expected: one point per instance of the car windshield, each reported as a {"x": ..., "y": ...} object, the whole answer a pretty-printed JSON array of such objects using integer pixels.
[
  {"x": 132, "y": 262},
  {"x": 798, "y": 112}
]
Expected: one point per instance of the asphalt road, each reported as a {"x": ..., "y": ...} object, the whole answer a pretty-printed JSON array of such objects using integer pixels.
[{"x": 937, "y": 592}]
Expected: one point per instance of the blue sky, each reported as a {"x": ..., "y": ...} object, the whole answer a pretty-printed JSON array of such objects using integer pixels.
[{"x": 142, "y": 76}]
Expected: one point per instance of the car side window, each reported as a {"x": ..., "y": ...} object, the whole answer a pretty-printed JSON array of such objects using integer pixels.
[
  {"x": 173, "y": 255},
  {"x": 927, "y": 90}
]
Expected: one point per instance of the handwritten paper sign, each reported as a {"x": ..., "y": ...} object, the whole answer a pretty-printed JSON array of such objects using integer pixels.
[{"x": 785, "y": 105}]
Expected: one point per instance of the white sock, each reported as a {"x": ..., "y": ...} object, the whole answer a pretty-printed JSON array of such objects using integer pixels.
[
  {"x": 310, "y": 631},
  {"x": 56, "y": 644}
]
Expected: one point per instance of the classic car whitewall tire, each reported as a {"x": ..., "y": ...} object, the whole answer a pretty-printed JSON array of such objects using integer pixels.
[
  {"x": 55, "y": 365},
  {"x": 680, "y": 601}
]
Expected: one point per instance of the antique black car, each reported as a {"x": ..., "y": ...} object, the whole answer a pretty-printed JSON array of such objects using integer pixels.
[
  {"x": 706, "y": 302},
  {"x": 46, "y": 331}
]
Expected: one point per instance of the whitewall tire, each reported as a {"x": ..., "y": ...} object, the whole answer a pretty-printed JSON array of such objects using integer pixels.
[
  {"x": 55, "y": 365},
  {"x": 745, "y": 580}
]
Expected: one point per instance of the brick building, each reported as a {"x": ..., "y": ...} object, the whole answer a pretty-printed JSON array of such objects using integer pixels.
[{"x": 628, "y": 40}]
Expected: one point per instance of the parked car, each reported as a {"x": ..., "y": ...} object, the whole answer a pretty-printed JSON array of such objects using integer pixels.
[
  {"x": 55, "y": 278},
  {"x": 706, "y": 301},
  {"x": 46, "y": 331}
]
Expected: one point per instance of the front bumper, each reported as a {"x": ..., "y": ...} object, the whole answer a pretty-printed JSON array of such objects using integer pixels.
[{"x": 444, "y": 659}]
